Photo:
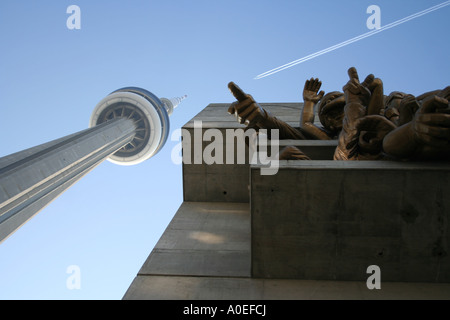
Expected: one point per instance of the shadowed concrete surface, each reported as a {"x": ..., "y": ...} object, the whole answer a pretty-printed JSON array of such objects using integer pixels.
[
  {"x": 333, "y": 219},
  {"x": 306, "y": 232}
]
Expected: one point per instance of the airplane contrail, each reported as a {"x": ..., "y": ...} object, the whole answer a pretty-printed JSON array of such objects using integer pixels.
[{"x": 360, "y": 37}]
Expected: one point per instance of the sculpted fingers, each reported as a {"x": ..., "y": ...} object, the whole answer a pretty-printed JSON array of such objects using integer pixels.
[
  {"x": 241, "y": 109},
  {"x": 432, "y": 104},
  {"x": 435, "y": 119},
  {"x": 368, "y": 81},
  {"x": 252, "y": 117},
  {"x": 445, "y": 93},
  {"x": 246, "y": 110},
  {"x": 353, "y": 74},
  {"x": 321, "y": 94},
  {"x": 434, "y": 124},
  {"x": 307, "y": 85},
  {"x": 375, "y": 123},
  {"x": 312, "y": 84},
  {"x": 433, "y": 129},
  {"x": 431, "y": 140},
  {"x": 317, "y": 84},
  {"x": 232, "y": 108},
  {"x": 437, "y": 132},
  {"x": 237, "y": 92}
]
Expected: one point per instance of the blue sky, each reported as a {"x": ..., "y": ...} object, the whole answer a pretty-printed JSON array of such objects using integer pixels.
[{"x": 52, "y": 77}]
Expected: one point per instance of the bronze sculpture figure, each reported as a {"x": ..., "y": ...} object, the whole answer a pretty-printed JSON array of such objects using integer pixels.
[
  {"x": 363, "y": 128},
  {"x": 367, "y": 124},
  {"x": 331, "y": 111},
  {"x": 250, "y": 113},
  {"x": 427, "y": 135}
]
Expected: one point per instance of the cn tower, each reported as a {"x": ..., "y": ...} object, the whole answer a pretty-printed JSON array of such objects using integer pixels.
[{"x": 128, "y": 126}]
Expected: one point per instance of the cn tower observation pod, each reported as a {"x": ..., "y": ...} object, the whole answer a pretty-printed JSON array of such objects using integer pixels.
[{"x": 149, "y": 114}]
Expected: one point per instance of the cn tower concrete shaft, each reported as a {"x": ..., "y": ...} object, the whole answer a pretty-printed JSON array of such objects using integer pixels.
[
  {"x": 127, "y": 127},
  {"x": 32, "y": 178}
]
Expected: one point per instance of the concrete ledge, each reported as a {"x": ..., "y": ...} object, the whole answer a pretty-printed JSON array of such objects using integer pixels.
[
  {"x": 215, "y": 288},
  {"x": 229, "y": 182},
  {"x": 215, "y": 115},
  {"x": 342, "y": 216}
]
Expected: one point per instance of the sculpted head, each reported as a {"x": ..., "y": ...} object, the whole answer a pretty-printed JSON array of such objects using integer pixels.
[{"x": 331, "y": 111}]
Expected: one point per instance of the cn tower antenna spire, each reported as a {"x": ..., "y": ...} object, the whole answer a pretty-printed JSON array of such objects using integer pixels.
[{"x": 171, "y": 104}]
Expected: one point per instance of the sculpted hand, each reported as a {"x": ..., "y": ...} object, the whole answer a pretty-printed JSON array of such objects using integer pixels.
[
  {"x": 310, "y": 90},
  {"x": 371, "y": 131},
  {"x": 407, "y": 108},
  {"x": 431, "y": 124},
  {"x": 445, "y": 93},
  {"x": 355, "y": 91},
  {"x": 246, "y": 110}
]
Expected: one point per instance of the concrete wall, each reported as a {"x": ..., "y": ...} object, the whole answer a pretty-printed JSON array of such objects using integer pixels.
[
  {"x": 229, "y": 181},
  {"x": 332, "y": 219},
  {"x": 205, "y": 254},
  {"x": 239, "y": 235}
]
